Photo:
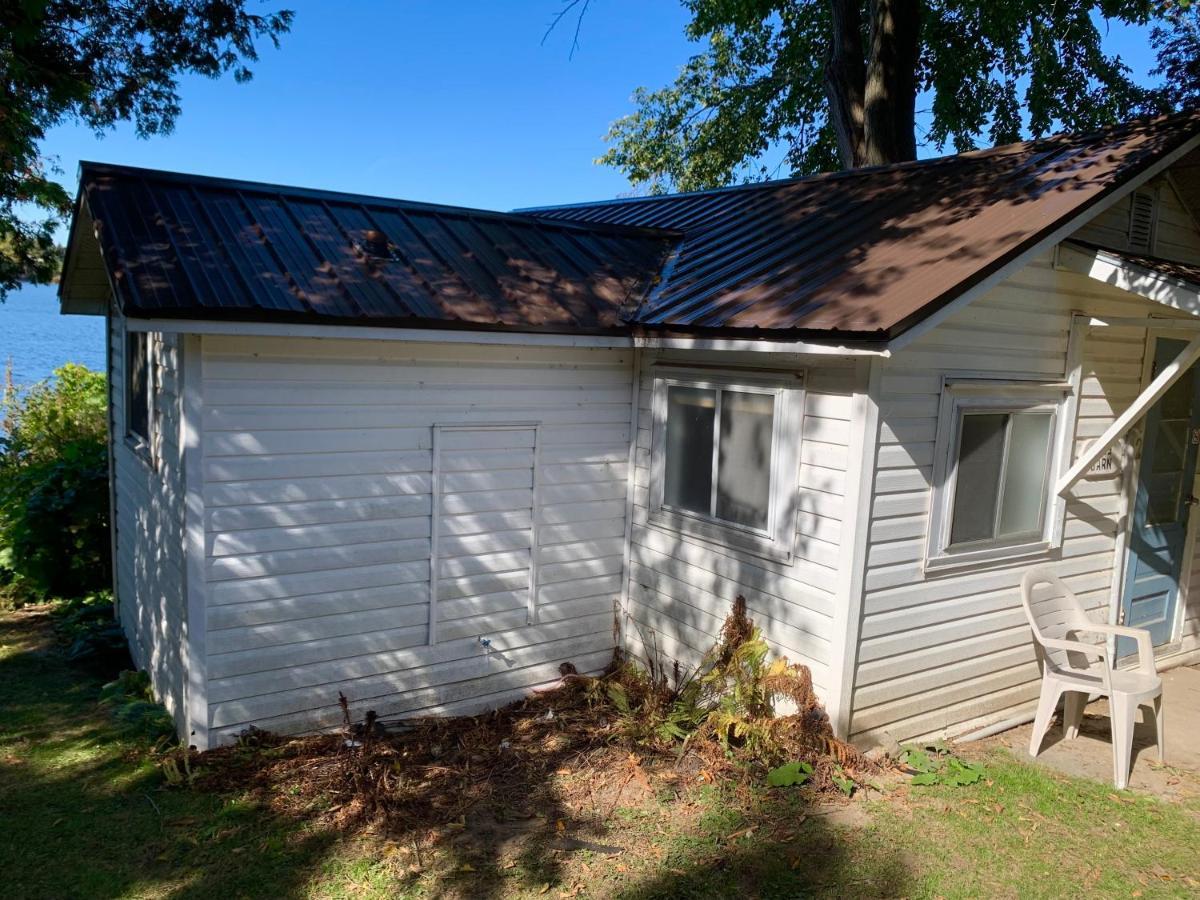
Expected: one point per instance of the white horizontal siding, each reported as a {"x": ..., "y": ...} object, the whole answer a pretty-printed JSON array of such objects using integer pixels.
[
  {"x": 940, "y": 651},
  {"x": 149, "y": 524},
  {"x": 682, "y": 587},
  {"x": 318, "y": 464},
  {"x": 1175, "y": 235}
]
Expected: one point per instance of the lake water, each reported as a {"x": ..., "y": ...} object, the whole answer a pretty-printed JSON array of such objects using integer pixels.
[{"x": 38, "y": 339}]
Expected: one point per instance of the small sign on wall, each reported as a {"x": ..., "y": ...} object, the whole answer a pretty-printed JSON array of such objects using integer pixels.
[{"x": 1106, "y": 466}]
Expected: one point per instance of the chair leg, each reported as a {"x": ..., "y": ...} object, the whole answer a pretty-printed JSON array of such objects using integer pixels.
[
  {"x": 1122, "y": 711},
  {"x": 1047, "y": 703},
  {"x": 1160, "y": 727},
  {"x": 1073, "y": 703}
]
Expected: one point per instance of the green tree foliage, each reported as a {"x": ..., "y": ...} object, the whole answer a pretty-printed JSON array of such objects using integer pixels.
[
  {"x": 54, "y": 486},
  {"x": 1176, "y": 38},
  {"x": 99, "y": 62},
  {"x": 827, "y": 84}
]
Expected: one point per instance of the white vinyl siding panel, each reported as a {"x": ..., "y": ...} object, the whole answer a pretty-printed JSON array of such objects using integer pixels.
[
  {"x": 319, "y": 474},
  {"x": 1175, "y": 233},
  {"x": 484, "y": 526},
  {"x": 945, "y": 652},
  {"x": 681, "y": 587},
  {"x": 149, "y": 523}
]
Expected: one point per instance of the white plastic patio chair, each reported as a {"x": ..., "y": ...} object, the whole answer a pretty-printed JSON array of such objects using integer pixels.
[{"x": 1077, "y": 669}]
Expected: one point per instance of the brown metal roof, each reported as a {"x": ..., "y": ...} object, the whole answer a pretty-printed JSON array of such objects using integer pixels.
[
  {"x": 181, "y": 245},
  {"x": 868, "y": 253},
  {"x": 859, "y": 255}
]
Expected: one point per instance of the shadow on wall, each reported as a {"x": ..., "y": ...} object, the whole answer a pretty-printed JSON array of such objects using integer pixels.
[
  {"x": 682, "y": 587},
  {"x": 910, "y": 675}
]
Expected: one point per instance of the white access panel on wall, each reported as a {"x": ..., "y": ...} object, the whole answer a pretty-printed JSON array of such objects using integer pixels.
[{"x": 483, "y": 559}]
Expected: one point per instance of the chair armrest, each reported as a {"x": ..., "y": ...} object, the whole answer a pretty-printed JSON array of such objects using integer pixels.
[
  {"x": 1145, "y": 650},
  {"x": 1097, "y": 650}
]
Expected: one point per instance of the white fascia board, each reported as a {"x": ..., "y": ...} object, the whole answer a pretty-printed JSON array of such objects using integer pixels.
[
  {"x": 510, "y": 338},
  {"x": 1058, "y": 235},
  {"x": 1110, "y": 269},
  {"x": 736, "y": 345},
  {"x": 377, "y": 333}
]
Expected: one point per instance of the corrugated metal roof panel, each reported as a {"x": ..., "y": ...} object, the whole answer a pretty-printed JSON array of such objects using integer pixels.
[
  {"x": 197, "y": 247},
  {"x": 859, "y": 255},
  {"x": 870, "y": 252}
]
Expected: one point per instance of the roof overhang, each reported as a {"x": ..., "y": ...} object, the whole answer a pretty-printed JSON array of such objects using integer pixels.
[
  {"x": 500, "y": 337},
  {"x": 1154, "y": 280},
  {"x": 1161, "y": 284}
]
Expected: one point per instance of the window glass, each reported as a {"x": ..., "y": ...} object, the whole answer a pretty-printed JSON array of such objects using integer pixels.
[
  {"x": 137, "y": 376},
  {"x": 1025, "y": 474},
  {"x": 1000, "y": 485},
  {"x": 744, "y": 464},
  {"x": 980, "y": 457},
  {"x": 1166, "y": 476},
  {"x": 689, "y": 448}
]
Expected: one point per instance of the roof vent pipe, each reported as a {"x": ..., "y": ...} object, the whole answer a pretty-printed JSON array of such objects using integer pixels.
[{"x": 375, "y": 243}]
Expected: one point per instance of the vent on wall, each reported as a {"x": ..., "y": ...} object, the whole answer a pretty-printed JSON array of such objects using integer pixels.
[{"x": 1143, "y": 215}]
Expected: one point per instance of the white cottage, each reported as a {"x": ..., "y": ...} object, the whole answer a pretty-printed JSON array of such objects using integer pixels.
[{"x": 423, "y": 455}]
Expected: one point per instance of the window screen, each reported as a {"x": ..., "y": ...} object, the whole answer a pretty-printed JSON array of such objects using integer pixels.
[{"x": 137, "y": 380}]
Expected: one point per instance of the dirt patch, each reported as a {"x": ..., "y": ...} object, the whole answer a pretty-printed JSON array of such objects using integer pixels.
[{"x": 523, "y": 785}]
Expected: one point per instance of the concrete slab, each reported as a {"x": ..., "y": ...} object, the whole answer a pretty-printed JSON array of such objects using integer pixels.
[{"x": 1090, "y": 755}]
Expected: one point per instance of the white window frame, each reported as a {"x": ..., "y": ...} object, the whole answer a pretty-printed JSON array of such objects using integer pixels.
[
  {"x": 777, "y": 539},
  {"x": 141, "y": 445},
  {"x": 961, "y": 397}
]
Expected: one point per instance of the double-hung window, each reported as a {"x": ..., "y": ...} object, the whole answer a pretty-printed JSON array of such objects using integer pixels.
[
  {"x": 997, "y": 455},
  {"x": 724, "y": 457}
]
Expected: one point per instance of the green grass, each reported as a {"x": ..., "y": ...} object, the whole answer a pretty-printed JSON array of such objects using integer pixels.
[{"x": 84, "y": 812}]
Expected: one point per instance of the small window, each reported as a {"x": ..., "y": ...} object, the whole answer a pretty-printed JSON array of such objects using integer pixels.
[
  {"x": 724, "y": 457},
  {"x": 997, "y": 455},
  {"x": 137, "y": 387}
]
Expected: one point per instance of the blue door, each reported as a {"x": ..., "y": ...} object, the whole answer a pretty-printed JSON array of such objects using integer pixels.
[{"x": 1163, "y": 502}]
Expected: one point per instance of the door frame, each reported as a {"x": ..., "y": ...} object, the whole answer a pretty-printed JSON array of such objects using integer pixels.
[{"x": 1131, "y": 475}]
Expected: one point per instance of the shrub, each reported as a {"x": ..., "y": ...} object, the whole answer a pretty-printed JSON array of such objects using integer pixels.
[
  {"x": 54, "y": 538},
  {"x": 732, "y": 700}
]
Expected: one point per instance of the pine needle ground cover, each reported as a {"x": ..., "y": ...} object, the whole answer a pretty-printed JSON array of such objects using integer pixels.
[{"x": 89, "y": 809}]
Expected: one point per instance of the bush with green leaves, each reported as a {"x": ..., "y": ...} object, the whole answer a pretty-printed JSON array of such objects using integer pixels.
[{"x": 54, "y": 529}]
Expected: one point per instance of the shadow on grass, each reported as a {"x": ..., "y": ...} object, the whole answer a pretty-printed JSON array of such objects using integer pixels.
[{"x": 86, "y": 813}]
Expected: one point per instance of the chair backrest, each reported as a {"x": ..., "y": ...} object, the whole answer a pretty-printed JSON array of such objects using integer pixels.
[
  {"x": 1051, "y": 613},
  {"x": 1054, "y": 612}
]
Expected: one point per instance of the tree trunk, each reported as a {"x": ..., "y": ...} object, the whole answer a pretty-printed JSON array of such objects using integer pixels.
[
  {"x": 890, "y": 94},
  {"x": 845, "y": 81}
]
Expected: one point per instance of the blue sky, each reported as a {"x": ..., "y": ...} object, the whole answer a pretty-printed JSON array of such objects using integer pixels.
[
  {"x": 448, "y": 102},
  {"x": 453, "y": 102}
]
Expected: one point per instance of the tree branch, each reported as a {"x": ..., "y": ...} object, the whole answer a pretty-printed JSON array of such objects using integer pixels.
[{"x": 569, "y": 5}]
